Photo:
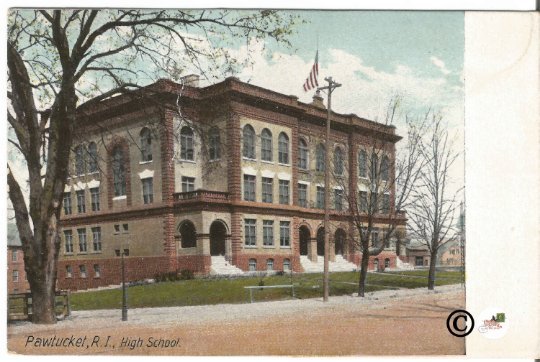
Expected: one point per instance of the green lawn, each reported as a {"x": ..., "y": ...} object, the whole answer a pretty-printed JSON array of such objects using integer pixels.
[{"x": 216, "y": 291}]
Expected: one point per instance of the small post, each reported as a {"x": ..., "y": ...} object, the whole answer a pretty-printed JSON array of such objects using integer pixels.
[
  {"x": 124, "y": 291},
  {"x": 68, "y": 301},
  {"x": 251, "y": 295}
]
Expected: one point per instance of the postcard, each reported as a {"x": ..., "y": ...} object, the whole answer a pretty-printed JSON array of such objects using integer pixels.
[{"x": 262, "y": 182}]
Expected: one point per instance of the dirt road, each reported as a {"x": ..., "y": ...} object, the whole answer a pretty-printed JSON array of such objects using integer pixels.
[{"x": 391, "y": 323}]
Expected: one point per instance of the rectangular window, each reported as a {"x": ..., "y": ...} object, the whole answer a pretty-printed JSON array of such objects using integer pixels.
[
  {"x": 148, "y": 190},
  {"x": 94, "y": 196},
  {"x": 386, "y": 204},
  {"x": 302, "y": 195},
  {"x": 68, "y": 237},
  {"x": 338, "y": 199},
  {"x": 250, "y": 232},
  {"x": 81, "y": 201},
  {"x": 188, "y": 184},
  {"x": 284, "y": 233},
  {"x": 97, "y": 270},
  {"x": 267, "y": 188},
  {"x": 419, "y": 260},
  {"x": 125, "y": 228},
  {"x": 14, "y": 255},
  {"x": 83, "y": 247},
  {"x": 284, "y": 192},
  {"x": 67, "y": 203},
  {"x": 96, "y": 236},
  {"x": 69, "y": 271},
  {"x": 374, "y": 202},
  {"x": 15, "y": 276},
  {"x": 82, "y": 270},
  {"x": 320, "y": 197},
  {"x": 249, "y": 188},
  {"x": 363, "y": 201},
  {"x": 268, "y": 233},
  {"x": 375, "y": 237}
]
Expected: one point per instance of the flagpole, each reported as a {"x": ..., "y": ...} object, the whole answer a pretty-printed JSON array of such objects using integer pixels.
[{"x": 332, "y": 85}]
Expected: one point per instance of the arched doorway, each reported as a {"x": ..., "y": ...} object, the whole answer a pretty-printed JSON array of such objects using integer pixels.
[
  {"x": 320, "y": 241},
  {"x": 218, "y": 233},
  {"x": 339, "y": 241},
  {"x": 188, "y": 234},
  {"x": 305, "y": 237}
]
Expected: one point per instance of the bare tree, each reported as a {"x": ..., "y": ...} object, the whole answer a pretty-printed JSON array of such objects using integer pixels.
[
  {"x": 382, "y": 177},
  {"x": 432, "y": 213},
  {"x": 61, "y": 61}
]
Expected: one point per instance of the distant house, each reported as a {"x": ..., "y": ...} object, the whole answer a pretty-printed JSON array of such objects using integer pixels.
[
  {"x": 449, "y": 254},
  {"x": 417, "y": 253},
  {"x": 16, "y": 276}
]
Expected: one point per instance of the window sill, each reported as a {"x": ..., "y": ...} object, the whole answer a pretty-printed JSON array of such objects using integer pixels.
[
  {"x": 268, "y": 162},
  {"x": 83, "y": 253},
  {"x": 284, "y": 164},
  {"x": 249, "y": 159},
  {"x": 122, "y": 197},
  {"x": 215, "y": 160},
  {"x": 145, "y": 162},
  {"x": 250, "y": 246},
  {"x": 269, "y": 246},
  {"x": 285, "y": 247},
  {"x": 188, "y": 161}
]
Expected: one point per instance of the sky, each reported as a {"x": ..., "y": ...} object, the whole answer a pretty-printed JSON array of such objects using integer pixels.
[{"x": 374, "y": 55}]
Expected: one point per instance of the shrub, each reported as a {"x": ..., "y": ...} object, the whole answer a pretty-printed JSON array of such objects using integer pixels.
[{"x": 186, "y": 274}]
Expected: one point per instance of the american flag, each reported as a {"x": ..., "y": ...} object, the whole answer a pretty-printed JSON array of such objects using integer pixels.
[{"x": 311, "y": 81}]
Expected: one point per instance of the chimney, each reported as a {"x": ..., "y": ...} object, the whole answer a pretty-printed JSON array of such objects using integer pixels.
[
  {"x": 191, "y": 80},
  {"x": 318, "y": 100}
]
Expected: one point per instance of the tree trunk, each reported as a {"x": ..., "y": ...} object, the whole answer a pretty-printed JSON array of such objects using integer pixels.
[
  {"x": 363, "y": 273},
  {"x": 431, "y": 276},
  {"x": 41, "y": 270}
]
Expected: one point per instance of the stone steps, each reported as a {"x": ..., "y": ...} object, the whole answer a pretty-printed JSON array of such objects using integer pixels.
[
  {"x": 339, "y": 265},
  {"x": 220, "y": 266}
]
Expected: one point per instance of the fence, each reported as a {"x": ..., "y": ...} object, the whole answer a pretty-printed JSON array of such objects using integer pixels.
[{"x": 20, "y": 305}]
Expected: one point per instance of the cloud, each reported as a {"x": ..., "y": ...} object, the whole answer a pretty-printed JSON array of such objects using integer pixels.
[{"x": 440, "y": 64}]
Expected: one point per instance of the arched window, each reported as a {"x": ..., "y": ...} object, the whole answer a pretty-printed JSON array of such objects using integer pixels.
[
  {"x": 214, "y": 144},
  {"x": 283, "y": 148},
  {"x": 146, "y": 144},
  {"x": 385, "y": 163},
  {"x": 320, "y": 157},
  {"x": 269, "y": 264},
  {"x": 252, "y": 265},
  {"x": 266, "y": 145},
  {"x": 376, "y": 264},
  {"x": 374, "y": 167},
  {"x": 302, "y": 154},
  {"x": 248, "y": 139},
  {"x": 92, "y": 157},
  {"x": 186, "y": 144},
  {"x": 286, "y": 264},
  {"x": 119, "y": 172},
  {"x": 386, "y": 263},
  {"x": 338, "y": 161},
  {"x": 362, "y": 163},
  {"x": 188, "y": 235},
  {"x": 79, "y": 160}
]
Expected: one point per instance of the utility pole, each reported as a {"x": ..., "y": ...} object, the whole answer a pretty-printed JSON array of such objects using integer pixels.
[{"x": 332, "y": 85}]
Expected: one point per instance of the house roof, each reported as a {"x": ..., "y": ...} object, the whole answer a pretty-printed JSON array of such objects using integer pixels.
[{"x": 13, "y": 235}]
